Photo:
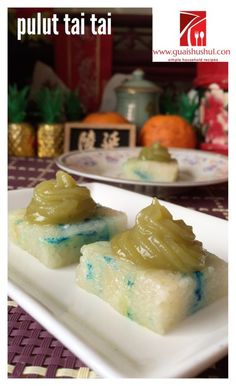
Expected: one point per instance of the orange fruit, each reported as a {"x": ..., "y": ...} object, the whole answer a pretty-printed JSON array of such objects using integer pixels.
[
  {"x": 169, "y": 130},
  {"x": 106, "y": 117}
]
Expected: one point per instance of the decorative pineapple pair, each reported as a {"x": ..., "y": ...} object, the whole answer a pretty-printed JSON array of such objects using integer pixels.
[{"x": 50, "y": 134}]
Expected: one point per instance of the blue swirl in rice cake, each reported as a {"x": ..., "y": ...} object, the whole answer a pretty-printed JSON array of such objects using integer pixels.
[{"x": 157, "y": 298}]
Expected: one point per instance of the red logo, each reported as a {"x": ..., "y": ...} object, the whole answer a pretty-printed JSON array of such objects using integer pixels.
[{"x": 192, "y": 28}]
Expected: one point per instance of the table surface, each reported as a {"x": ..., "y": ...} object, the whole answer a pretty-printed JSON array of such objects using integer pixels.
[{"x": 32, "y": 351}]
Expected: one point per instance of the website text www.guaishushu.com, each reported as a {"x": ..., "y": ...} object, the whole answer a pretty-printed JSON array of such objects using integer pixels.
[{"x": 191, "y": 51}]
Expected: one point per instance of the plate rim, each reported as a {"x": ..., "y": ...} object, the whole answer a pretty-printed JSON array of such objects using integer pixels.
[
  {"x": 60, "y": 162},
  {"x": 93, "y": 360},
  {"x": 96, "y": 362}
]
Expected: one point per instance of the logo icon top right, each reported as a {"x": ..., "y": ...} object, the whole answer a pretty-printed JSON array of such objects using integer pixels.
[{"x": 193, "y": 28}]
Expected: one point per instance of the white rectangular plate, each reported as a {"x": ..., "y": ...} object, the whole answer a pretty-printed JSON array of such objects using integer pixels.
[{"x": 109, "y": 343}]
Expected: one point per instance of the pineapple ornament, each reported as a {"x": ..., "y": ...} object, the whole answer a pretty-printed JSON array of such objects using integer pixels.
[
  {"x": 21, "y": 135},
  {"x": 50, "y": 135}
]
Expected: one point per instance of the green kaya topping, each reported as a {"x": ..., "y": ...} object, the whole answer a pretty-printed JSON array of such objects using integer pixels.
[
  {"x": 60, "y": 201},
  {"x": 159, "y": 241},
  {"x": 156, "y": 152}
]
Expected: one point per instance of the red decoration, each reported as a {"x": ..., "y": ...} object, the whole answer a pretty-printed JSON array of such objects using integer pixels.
[
  {"x": 212, "y": 72},
  {"x": 84, "y": 61},
  {"x": 214, "y": 119}
]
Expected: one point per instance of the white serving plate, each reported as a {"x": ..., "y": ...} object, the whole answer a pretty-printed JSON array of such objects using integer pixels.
[
  {"x": 196, "y": 167},
  {"x": 112, "y": 345}
]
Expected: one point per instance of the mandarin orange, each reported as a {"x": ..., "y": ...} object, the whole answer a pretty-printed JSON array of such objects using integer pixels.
[{"x": 169, "y": 130}]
